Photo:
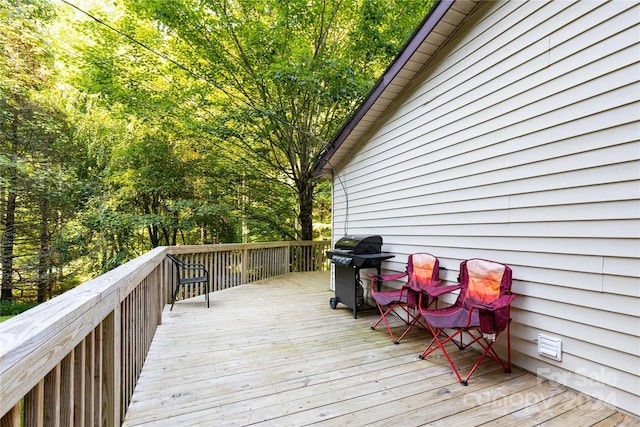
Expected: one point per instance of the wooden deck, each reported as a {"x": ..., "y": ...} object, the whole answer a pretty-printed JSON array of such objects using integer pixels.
[{"x": 274, "y": 354}]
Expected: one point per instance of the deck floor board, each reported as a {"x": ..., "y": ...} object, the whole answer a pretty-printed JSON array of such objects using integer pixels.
[{"x": 273, "y": 353}]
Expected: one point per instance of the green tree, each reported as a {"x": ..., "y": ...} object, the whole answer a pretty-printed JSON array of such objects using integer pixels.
[
  {"x": 36, "y": 153},
  {"x": 158, "y": 171},
  {"x": 287, "y": 74},
  {"x": 23, "y": 69}
]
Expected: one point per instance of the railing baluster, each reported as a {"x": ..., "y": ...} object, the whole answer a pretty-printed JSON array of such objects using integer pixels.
[
  {"x": 66, "y": 390},
  {"x": 52, "y": 397},
  {"x": 97, "y": 377},
  {"x": 79, "y": 391},
  {"x": 33, "y": 405},
  {"x": 88, "y": 378},
  {"x": 12, "y": 417}
]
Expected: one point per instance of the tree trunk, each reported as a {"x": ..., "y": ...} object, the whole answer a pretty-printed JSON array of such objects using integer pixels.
[
  {"x": 154, "y": 237},
  {"x": 43, "y": 252},
  {"x": 305, "y": 200},
  {"x": 9, "y": 236},
  {"x": 8, "y": 239},
  {"x": 151, "y": 206}
]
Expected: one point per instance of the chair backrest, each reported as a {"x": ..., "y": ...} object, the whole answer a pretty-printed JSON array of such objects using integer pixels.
[
  {"x": 175, "y": 260},
  {"x": 423, "y": 268},
  {"x": 483, "y": 282},
  {"x": 178, "y": 263}
]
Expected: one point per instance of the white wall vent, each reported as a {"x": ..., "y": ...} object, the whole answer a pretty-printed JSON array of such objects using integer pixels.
[{"x": 550, "y": 347}]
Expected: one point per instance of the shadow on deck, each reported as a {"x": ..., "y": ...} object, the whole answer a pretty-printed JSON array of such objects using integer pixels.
[{"x": 273, "y": 353}]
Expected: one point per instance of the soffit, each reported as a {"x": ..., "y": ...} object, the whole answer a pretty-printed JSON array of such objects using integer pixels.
[{"x": 394, "y": 82}]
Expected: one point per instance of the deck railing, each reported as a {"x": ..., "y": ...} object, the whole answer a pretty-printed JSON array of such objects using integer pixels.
[{"x": 75, "y": 359}]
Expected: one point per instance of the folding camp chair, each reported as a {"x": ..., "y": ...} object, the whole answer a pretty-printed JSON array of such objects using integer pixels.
[
  {"x": 189, "y": 274},
  {"x": 422, "y": 274},
  {"x": 480, "y": 312}
]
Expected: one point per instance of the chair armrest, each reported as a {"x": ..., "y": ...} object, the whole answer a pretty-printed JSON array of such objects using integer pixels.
[
  {"x": 435, "y": 291},
  {"x": 387, "y": 277},
  {"x": 429, "y": 293},
  {"x": 194, "y": 267},
  {"x": 186, "y": 265},
  {"x": 502, "y": 302},
  {"x": 418, "y": 289}
]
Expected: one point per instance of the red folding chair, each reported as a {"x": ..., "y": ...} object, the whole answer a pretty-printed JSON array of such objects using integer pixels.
[
  {"x": 481, "y": 312},
  {"x": 422, "y": 275}
]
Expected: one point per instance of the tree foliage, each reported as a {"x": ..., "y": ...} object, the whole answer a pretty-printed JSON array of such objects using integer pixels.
[{"x": 286, "y": 74}]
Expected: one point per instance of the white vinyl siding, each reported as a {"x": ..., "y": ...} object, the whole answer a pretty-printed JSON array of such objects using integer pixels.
[{"x": 520, "y": 143}]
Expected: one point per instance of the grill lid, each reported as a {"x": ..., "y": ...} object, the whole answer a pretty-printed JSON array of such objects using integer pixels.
[{"x": 359, "y": 244}]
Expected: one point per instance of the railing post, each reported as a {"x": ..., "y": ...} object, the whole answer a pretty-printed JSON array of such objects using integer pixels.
[
  {"x": 245, "y": 265},
  {"x": 287, "y": 258}
]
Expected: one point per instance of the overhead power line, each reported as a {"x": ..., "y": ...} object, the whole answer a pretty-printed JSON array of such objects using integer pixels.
[{"x": 193, "y": 73}]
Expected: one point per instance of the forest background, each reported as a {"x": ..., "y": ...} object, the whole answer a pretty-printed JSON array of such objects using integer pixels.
[{"x": 129, "y": 124}]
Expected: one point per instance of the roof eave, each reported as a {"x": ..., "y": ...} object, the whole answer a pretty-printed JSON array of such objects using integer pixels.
[{"x": 426, "y": 27}]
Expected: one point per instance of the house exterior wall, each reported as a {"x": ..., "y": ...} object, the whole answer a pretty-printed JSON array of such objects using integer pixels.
[{"x": 520, "y": 143}]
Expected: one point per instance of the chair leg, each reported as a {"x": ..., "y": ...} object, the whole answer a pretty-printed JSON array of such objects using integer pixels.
[
  {"x": 439, "y": 344},
  {"x": 173, "y": 296},
  {"x": 486, "y": 345},
  {"x": 475, "y": 366},
  {"x": 487, "y": 350},
  {"x": 411, "y": 319},
  {"x": 508, "y": 370},
  {"x": 416, "y": 321},
  {"x": 383, "y": 317}
]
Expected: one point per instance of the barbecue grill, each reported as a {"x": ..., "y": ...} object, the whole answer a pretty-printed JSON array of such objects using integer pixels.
[{"x": 349, "y": 256}]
